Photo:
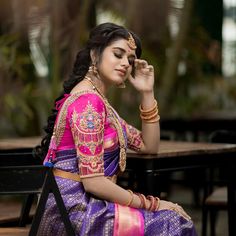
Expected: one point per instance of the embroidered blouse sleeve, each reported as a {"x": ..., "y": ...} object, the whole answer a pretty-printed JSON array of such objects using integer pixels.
[
  {"x": 87, "y": 118},
  {"x": 134, "y": 136}
]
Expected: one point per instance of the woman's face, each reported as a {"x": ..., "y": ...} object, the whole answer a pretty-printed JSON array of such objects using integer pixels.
[{"x": 116, "y": 62}]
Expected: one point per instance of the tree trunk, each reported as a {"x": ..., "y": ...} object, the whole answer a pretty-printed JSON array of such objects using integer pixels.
[{"x": 170, "y": 71}]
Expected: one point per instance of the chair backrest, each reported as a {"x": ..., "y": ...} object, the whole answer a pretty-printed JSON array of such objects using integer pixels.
[
  {"x": 223, "y": 136},
  {"x": 20, "y": 172}
]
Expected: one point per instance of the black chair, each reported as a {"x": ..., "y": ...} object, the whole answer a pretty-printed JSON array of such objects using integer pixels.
[
  {"x": 23, "y": 174},
  {"x": 215, "y": 194},
  {"x": 50, "y": 186},
  {"x": 17, "y": 177}
]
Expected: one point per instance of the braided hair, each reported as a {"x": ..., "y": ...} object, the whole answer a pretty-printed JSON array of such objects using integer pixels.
[{"x": 100, "y": 37}]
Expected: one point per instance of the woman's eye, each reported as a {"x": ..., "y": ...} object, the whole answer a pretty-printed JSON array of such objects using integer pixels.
[{"x": 118, "y": 55}]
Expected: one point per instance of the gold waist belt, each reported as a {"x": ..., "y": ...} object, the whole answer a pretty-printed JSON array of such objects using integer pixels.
[
  {"x": 75, "y": 176},
  {"x": 66, "y": 175}
]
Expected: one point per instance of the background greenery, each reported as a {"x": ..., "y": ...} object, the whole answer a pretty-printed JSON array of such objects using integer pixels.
[{"x": 182, "y": 39}]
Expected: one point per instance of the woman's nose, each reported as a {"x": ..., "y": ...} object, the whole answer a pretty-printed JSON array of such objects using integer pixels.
[{"x": 125, "y": 62}]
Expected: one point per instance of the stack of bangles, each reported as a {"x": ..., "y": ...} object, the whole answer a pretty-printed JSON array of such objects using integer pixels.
[
  {"x": 154, "y": 201},
  {"x": 150, "y": 115}
]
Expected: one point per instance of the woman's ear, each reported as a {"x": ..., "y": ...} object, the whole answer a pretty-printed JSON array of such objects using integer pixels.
[{"x": 93, "y": 56}]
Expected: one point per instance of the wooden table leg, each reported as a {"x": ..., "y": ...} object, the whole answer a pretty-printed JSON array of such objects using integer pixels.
[{"x": 232, "y": 201}]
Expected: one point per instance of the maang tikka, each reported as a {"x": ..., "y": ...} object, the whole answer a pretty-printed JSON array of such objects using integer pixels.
[{"x": 131, "y": 42}]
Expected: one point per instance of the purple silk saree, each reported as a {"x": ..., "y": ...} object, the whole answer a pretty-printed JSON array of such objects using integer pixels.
[{"x": 86, "y": 142}]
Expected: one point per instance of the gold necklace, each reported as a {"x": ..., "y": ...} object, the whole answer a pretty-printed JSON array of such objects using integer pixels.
[{"x": 121, "y": 137}]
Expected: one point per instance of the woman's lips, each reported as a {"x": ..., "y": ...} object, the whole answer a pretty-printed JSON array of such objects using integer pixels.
[{"x": 122, "y": 72}]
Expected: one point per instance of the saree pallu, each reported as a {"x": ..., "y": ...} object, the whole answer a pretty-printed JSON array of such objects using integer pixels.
[{"x": 95, "y": 217}]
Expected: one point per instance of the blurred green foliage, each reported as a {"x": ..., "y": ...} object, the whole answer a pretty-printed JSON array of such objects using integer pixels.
[{"x": 27, "y": 97}]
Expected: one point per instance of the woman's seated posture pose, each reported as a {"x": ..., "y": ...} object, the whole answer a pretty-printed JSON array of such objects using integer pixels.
[{"x": 87, "y": 141}]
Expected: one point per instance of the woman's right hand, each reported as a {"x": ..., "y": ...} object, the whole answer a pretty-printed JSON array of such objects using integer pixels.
[{"x": 166, "y": 205}]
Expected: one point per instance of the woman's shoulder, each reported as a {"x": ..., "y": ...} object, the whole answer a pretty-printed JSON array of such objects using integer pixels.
[{"x": 82, "y": 99}]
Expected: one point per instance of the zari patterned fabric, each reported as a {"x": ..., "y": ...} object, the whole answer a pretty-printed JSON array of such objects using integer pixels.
[
  {"x": 87, "y": 126},
  {"x": 87, "y": 143}
]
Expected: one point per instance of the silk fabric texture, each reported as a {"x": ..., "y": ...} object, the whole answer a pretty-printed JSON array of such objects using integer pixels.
[{"x": 86, "y": 142}]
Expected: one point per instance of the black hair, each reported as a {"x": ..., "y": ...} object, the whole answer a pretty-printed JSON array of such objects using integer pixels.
[{"x": 100, "y": 37}]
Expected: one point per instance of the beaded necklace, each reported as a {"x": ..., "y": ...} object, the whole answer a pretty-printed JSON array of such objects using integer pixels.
[{"x": 112, "y": 113}]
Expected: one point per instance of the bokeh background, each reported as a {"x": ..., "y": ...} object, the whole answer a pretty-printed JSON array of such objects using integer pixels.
[{"x": 191, "y": 43}]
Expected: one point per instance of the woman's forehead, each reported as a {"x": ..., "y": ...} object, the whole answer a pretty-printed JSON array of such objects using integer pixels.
[{"x": 123, "y": 44}]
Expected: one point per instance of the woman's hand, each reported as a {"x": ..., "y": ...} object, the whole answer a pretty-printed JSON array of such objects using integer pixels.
[
  {"x": 165, "y": 205},
  {"x": 143, "y": 79}
]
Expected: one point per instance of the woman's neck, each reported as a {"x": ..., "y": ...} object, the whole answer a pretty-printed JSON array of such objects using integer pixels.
[{"x": 98, "y": 83}]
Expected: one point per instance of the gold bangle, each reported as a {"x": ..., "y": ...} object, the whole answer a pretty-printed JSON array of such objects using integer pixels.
[
  {"x": 158, "y": 203},
  {"x": 131, "y": 198},
  {"x": 143, "y": 117},
  {"x": 151, "y": 115},
  {"x": 152, "y": 202},
  {"x": 144, "y": 201},
  {"x": 148, "y": 110},
  {"x": 154, "y": 120},
  {"x": 141, "y": 200}
]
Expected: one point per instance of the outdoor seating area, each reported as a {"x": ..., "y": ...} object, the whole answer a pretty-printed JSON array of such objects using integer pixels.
[
  {"x": 145, "y": 168},
  {"x": 115, "y": 112},
  {"x": 10, "y": 211}
]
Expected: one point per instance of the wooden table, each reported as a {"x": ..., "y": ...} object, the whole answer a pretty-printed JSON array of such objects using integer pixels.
[
  {"x": 19, "y": 143},
  {"x": 174, "y": 156},
  {"x": 171, "y": 156}
]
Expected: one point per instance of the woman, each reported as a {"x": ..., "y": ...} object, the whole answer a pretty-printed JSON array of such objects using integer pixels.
[{"x": 88, "y": 142}]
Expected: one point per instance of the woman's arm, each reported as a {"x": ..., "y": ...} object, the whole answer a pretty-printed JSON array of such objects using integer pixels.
[
  {"x": 143, "y": 82},
  {"x": 150, "y": 131},
  {"x": 104, "y": 188}
]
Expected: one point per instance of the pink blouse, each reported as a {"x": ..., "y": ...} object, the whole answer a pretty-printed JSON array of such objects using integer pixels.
[{"x": 84, "y": 124}]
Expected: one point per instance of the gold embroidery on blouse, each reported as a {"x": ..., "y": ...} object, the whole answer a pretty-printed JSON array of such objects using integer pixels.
[
  {"x": 90, "y": 163},
  {"x": 110, "y": 142},
  {"x": 90, "y": 120},
  {"x": 115, "y": 120},
  {"x": 89, "y": 131},
  {"x": 59, "y": 127}
]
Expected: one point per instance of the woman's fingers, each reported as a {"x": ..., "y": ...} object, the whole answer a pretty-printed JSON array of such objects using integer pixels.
[
  {"x": 143, "y": 66},
  {"x": 174, "y": 207},
  {"x": 150, "y": 68},
  {"x": 139, "y": 64},
  {"x": 180, "y": 210}
]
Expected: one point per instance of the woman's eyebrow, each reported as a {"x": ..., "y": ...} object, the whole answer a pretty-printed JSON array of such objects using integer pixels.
[{"x": 123, "y": 50}]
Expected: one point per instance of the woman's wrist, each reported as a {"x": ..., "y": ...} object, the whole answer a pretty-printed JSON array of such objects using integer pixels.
[
  {"x": 147, "y": 99},
  {"x": 147, "y": 94},
  {"x": 149, "y": 203},
  {"x": 136, "y": 202},
  {"x": 150, "y": 114}
]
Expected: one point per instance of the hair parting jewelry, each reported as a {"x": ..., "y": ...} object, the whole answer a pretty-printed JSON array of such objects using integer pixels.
[
  {"x": 131, "y": 42},
  {"x": 150, "y": 115},
  {"x": 131, "y": 197}
]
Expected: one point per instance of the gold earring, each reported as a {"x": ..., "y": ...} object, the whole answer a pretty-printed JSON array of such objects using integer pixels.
[{"x": 93, "y": 69}]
